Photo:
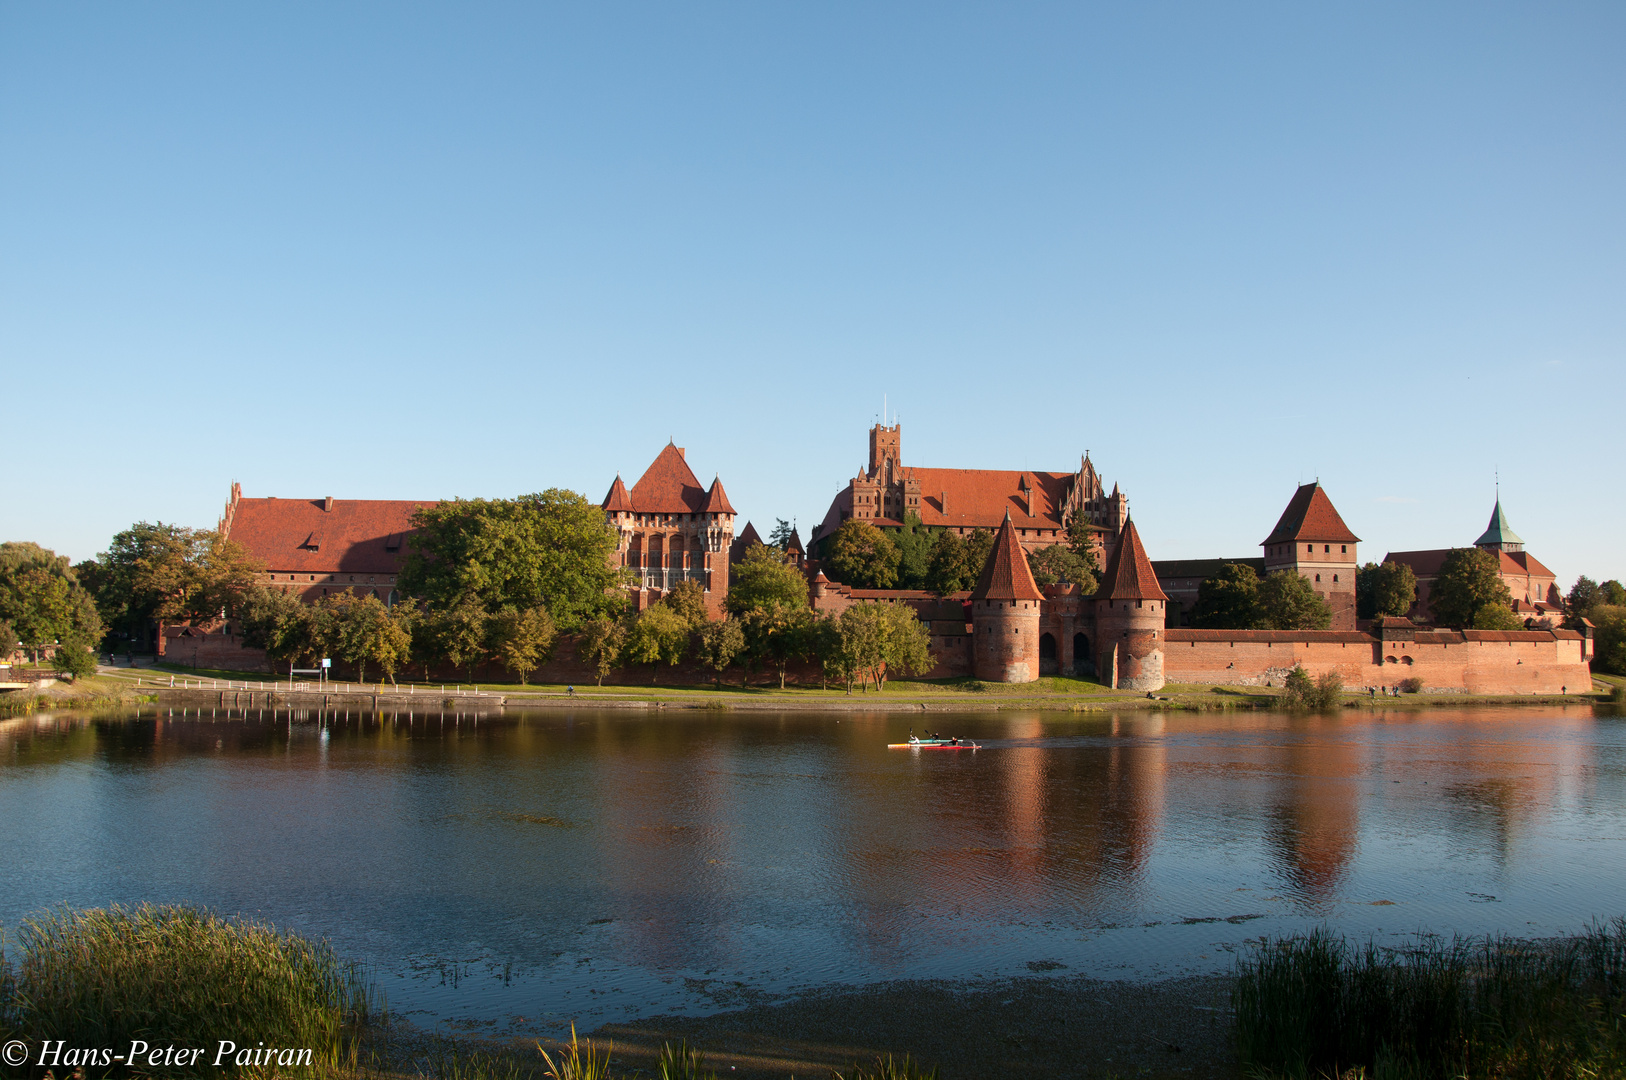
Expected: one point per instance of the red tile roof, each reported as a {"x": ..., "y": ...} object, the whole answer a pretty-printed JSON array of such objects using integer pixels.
[
  {"x": 975, "y": 499},
  {"x": 365, "y": 536},
  {"x": 668, "y": 486},
  {"x": 1426, "y": 564},
  {"x": 1310, "y": 516},
  {"x": 618, "y": 499},
  {"x": 1129, "y": 574},
  {"x": 742, "y": 542},
  {"x": 717, "y": 499},
  {"x": 1522, "y": 562},
  {"x": 1006, "y": 576}
]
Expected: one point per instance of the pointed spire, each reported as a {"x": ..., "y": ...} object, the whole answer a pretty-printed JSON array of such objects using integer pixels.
[
  {"x": 716, "y": 500},
  {"x": 618, "y": 500},
  {"x": 1498, "y": 532},
  {"x": 1129, "y": 574},
  {"x": 1006, "y": 576}
]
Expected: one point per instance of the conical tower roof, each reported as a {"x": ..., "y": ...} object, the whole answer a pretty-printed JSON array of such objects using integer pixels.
[
  {"x": 1005, "y": 576},
  {"x": 618, "y": 499},
  {"x": 1129, "y": 573},
  {"x": 668, "y": 486},
  {"x": 1498, "y": 532},
  {"x": 717, "y": 500},
  {"x": 1310, "y": 515}
]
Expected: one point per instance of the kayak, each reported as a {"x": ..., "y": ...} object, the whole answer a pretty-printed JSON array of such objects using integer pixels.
[{"x": 934, "y": 744}]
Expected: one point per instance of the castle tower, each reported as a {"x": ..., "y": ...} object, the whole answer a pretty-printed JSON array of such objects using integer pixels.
[
  {"x": 672, "y": 529},
  {"x": 1312, "y": 540},
  {"x": 1005, "y": 614},
  {"x": 1130, "y": 610}
]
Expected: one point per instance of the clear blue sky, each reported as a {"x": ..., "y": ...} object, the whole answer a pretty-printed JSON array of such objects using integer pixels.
[{"x": 394, "y": 250}]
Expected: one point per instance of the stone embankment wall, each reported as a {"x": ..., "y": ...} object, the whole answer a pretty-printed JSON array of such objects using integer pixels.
[{"x": 1472, "y": 661}]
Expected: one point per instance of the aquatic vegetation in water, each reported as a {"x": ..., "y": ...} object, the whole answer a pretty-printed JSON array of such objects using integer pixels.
[{"x": 1317, "y": 1005}]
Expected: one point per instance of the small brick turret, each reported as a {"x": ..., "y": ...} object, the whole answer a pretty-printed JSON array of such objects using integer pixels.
[
  {"x": 1005, "y": 614},
  {"x": 1130, "y": 610}
]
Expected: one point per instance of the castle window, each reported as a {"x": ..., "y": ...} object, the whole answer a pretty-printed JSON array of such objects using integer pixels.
[
  {"x": 1327, "y": 548},
  {"x": 1310, "y": 548},
  {"x": 1335, "y": 578},
  {"x": 1343, "y": 548},
  {"x": 1318, "y": 577}
]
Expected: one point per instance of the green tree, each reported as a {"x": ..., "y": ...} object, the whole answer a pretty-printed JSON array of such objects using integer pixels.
[
  {"x": 1058, "y": 563},
  {"x": 1612, "y": 593},
  {"x": 1229, "y": 600},
  {"x": 1609, "y": 638},
  {"x": 720, "y": 642},
  {"x": 1288, "y": 602},
  {"x": 914, "y": 543},
  {"x": 1081, "y": 541},
  {"x": 946, "y": 564},
  {"x": 978, "y": 547},
  {"x": 42, "y": 599},
  {"x": 458, "y": 634},
  {"x": 954, "y": 563},
  {"x": 8, "y": 641},
  {"x": 778, "y": 635},
  {"x": 689, "y": 601},
  {"x": 764, "y": 579},
  {"x": 74, "y": 659},
  {"x": 824, "y": 646},
  {"x": 158, "y": 572},
  {"x": 1468, "y": 580},
  {"x": 878, "y": 640},
  {"x": 275, "y": 621},
  {"x": 1583, "y": 595},
  {"x": 368, "y": 632},
  {"x": 601, "y": 643},
  {"x": 552, "y": 550},
  {"x": 780, "y": 536},
  {"x": 521, "y": 640},
  {"x": 1384, "y": 590},
  {"x": 659, "y": 633},
  {"x": 1494, "y": 616},
  {"x": 863, "y": 556}
]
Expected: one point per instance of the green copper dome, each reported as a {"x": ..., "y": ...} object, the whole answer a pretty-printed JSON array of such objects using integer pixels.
[{"x": 1499, "y": 533}]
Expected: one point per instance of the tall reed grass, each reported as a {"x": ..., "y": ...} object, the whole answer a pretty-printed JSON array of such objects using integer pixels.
[
  {"x": 177, "y": 975},
  {"x": 1475, "y": 1009}
]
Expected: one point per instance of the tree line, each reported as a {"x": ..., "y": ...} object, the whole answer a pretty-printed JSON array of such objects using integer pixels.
[
  {"x": 484, "y": 581},
  {"x": 941, "y": 561}
]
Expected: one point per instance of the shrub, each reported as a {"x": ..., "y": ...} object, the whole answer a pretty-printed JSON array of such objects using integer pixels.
[
  {"x": 1413, "y": 685},
  {"x": 184, "y": 976},
  {"x": 1327, "y": 692},
  {"x": 73, "y": 660}
]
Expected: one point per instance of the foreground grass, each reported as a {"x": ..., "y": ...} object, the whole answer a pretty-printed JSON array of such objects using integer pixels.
[
  {"x": 182, "y": 977},
  {"x": 1316, "y": 1005}
]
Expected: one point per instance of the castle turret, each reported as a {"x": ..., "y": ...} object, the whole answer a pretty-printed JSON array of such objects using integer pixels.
[
  {"x": 1130, "y": 610},
  {"x": 1005, "y": 614}
]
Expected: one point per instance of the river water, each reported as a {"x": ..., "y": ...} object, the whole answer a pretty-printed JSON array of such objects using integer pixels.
[{"x": 517, "y": 873}]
